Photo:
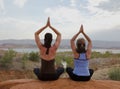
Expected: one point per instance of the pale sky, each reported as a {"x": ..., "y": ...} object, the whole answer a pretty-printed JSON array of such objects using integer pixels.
[{"x": 19, "y": 19}]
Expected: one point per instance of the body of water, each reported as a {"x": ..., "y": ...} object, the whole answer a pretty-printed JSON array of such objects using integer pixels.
[{"x": 28, "y": 50}]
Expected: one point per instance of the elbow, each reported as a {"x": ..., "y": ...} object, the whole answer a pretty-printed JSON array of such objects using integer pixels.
[
  {"x": 72, "y": 40},
  {"x": 35, "y": 33},
  {"x": 89, "y": 41},
  {"x": 59, "y": 35}
]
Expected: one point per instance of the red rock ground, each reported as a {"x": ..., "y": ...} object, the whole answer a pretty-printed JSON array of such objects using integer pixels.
[{"x": 62, "y": 83}]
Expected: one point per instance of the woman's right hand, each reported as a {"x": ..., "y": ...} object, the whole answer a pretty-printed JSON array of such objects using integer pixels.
[
  {"x": 81, "y": 29},
  {"x": 48, "y": 22}
]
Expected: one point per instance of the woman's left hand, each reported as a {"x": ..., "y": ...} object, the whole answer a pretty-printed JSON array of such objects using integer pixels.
[{"x": 81, "y": 29}]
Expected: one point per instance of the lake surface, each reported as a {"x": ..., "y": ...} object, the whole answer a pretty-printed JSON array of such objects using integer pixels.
[{"x": 28, "y": 50}]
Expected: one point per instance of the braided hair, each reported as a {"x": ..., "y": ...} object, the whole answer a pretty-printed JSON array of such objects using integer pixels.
[{"x": 47, "y": 41}]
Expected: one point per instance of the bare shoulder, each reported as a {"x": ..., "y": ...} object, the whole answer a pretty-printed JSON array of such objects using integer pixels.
[
  {"x": 88, "y": 55},
  {"x": 75, "y": 54}
]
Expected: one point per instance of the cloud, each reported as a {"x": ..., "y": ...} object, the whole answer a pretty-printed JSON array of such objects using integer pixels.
[
  {"x": 12, "y": 28},
  {"x": 66, "y": 18},
  {"x": 96, "y": 2},
  {"x": 111, "y": 35},
  {"x": 92, "y": 6},
  {"x": 96, "y": 16},
  {"x": 111, "y": 5},
  {"x": 64, "y": 14},
  {"x": 2, "y": 5},
  {"x": 61, "y": 0},
  {"x": 95, "y": 20},
  {"x": 101, "y": 6},
  {"x": 20, "y": 3},
  {"x": 73, "y": 3},
  {"x": 74, "y": 16},
  {"x": 101, "y": 19}
]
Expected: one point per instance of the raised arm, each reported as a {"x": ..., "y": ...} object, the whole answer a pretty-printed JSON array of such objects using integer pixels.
[
  {"x": 85, "y": 35},
  {"x": 89, "y": 46},
  {"x": 37, "y": 38},
  {"x": 58, "y": 39},
  {"x": 72, "y": 42}
]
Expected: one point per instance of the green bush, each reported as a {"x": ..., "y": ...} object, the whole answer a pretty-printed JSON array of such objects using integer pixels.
[
  {"x": 6, "y": 60},
  {"x": 64, "y": 56},
  {"x": 24, "y": 60},
  {"x": 96, "y": 54},
  {"x": 34, "y": 56},
  {"x": 58, "y": 60},
  {"x": 114, "y": 74},
  {"x": 69, "y": 61},
  {"x": 107, "y": 54}
]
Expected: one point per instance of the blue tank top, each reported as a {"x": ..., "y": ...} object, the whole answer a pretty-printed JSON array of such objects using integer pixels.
[{"x": 81, "y": 65}]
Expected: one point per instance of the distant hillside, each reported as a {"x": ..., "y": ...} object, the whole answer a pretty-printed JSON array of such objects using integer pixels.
[{"x": 29, "y": 43}]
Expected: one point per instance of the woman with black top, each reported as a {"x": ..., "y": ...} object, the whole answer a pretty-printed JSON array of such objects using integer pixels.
[{"x": 47, "y": 55}]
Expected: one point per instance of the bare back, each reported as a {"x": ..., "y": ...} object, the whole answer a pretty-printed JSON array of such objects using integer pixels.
[
  {"x": 51, "y": 55},
  {"x": 52, "y": 50}
]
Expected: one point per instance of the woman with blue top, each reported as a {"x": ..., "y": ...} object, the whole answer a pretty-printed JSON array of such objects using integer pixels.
[{"x": 82, "y": 54}]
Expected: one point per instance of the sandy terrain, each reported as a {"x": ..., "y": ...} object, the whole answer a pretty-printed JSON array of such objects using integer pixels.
[{"x": 62, "y": 83}]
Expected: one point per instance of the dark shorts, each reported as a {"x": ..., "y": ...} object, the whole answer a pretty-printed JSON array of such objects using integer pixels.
[
  {"x": 48, "y": 76},
  {"x": 74, "y": 77}
]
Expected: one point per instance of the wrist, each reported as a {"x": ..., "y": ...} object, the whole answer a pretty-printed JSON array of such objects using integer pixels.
[{"x": 83, "y": 32}]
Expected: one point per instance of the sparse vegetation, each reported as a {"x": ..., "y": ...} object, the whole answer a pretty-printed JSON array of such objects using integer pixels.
[
  {"x": 28, "y": 61},
  {"x": 34, "y": 56},
  {"x": 64, "y": 56},
  {"x": 24, "y": 60},
  {"x": 114, "y": 73},
  {"x": 6, "y": 60},
  {"x": 102, "y": 55}
]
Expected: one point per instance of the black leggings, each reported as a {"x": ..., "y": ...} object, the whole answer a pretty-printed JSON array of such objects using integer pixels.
[
  {"x": 74, "y": 77},
  {"x": 48, "y": 77}
]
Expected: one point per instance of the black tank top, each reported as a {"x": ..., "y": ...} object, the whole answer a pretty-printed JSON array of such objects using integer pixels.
[{"x": 47, "y": 67}]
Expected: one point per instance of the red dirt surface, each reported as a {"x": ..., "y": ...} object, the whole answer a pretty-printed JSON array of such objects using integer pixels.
[{"x": 62, "y": 83}]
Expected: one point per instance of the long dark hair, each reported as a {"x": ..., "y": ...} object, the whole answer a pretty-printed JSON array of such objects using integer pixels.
[
  {"x": 48, "y": 41},
  {"x": 80, "y": 45}
]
